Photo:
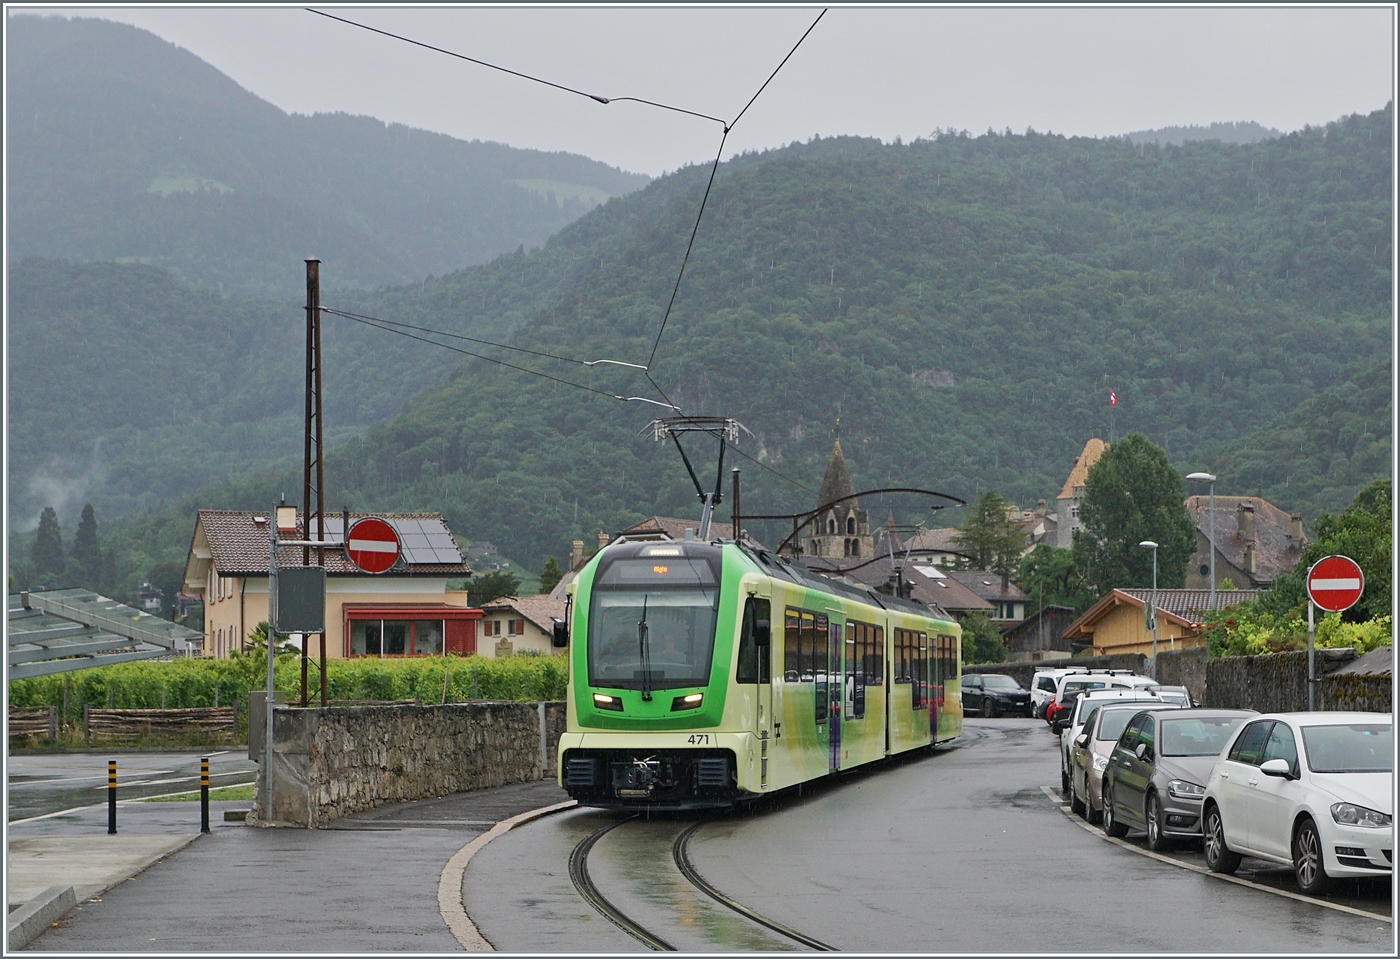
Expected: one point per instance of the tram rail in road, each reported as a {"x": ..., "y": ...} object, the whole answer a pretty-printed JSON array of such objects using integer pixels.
[{"x": 595, "y": 897}]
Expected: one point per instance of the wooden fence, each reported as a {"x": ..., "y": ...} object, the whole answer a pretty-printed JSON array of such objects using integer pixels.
[
  {"x": 126, "y": 724},
  {"x": 35, "y": 721}
]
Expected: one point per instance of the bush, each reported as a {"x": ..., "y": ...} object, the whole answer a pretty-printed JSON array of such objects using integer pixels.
[
  {"x": 186, "y": 683},
  {"x": 1249, "y": 630}
]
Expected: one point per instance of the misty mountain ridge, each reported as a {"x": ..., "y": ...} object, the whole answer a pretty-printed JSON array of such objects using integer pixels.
[
  {"x": 962, "y": 304},
  {"x": 124, "y": 147},
  {"x": 1242, "y": 132}
]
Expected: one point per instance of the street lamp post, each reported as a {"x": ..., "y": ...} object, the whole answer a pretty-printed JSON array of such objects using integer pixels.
[
  {"x": 1209, "y": 478},
  {"x": 1148, "y": 544}
]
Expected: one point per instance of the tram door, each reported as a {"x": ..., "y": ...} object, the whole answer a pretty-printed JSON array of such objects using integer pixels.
[
  {"x": 755, "y": 666},
  {"x": 835, "y": 648}
]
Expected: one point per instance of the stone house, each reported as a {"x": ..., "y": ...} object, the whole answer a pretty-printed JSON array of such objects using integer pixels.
[
  {"x": 1040, "y": 636},
  {"x": 1255, "y": 541},
  {"x": 1072, "y": 493}
]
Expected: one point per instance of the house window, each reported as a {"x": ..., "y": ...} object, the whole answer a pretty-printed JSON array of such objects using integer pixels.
[
  {"x": 396, "y": 637},
  {"x": 516, "y": 627},
  {"x": 831, "y": 527}
]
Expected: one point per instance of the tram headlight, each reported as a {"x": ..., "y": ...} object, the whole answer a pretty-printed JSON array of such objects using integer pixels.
[
  {"x": 604, "y": 701},
  {"x": 691, "y": 701}
]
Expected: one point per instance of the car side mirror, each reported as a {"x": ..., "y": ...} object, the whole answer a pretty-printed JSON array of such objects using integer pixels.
[
  {"x": 561, "y": 634},
  {"x": 1143, "y": 751},
  {"x": 1277, "y": 767},
  {"x": 1082, "y": 739},
  {"x": 762, "y": 633}
]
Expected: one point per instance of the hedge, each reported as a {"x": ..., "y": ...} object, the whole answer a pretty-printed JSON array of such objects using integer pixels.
[{"x": 184, "y": 683}]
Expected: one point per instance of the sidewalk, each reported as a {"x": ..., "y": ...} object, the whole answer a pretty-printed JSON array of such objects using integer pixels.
[{"x": 365, "y": 883}]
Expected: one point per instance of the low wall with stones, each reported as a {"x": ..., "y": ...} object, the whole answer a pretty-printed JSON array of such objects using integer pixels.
[
  {"x": 1275, "y": 682},
  {"x": 333, "y": 762}
]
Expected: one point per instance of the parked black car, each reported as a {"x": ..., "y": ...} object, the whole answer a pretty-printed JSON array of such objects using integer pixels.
[{"x": 992, "y": 694}]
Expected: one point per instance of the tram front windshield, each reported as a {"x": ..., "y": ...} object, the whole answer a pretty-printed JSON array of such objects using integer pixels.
[{"x": 677, "y": 598}]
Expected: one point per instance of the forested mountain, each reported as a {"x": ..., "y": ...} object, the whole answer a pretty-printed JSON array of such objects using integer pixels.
[
  {"x": 1320, "y": 454},
  {"x": 125, "y": 147},
  {"x": 963, "y": 305},
  {"x": 1248, "y": 132}
]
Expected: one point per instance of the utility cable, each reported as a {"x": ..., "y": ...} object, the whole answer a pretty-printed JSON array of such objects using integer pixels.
[
  {"x": 489, "y": 359},
  {"x": 458, "y": 336},
  {"x": 713, "y": 170},
  {"x": 515, "y": 73}
]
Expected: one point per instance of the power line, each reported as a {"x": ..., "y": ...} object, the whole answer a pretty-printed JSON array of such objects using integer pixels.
[
  {"x": 515, "y": 73},
  {"x": 713, "y": 170},
  {"x": 489, "y": 359},
  {"x": 770, "y": 469},
  {"x": 462, "y": 336}
]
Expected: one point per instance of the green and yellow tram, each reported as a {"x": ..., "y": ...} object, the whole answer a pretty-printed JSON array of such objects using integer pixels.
[{"x": 705, "y": 674}]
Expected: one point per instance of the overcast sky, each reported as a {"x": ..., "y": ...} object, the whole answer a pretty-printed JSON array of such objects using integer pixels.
[{"x": 876, "y": 72}]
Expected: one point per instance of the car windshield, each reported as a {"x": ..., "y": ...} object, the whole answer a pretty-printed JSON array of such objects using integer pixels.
[
  {"x": 1349, "y": 748},
  {"x": 1112, "y": 724},
  {"x": 1172, "y": 696},
  {"x": 1079, "y": 685},
  {"x": 994, "y": 681},
  {"x": 1197, "y": 737},
  {"x": 677, "y": 599}
]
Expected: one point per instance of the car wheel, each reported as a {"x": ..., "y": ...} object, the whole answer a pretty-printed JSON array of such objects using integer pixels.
[
  {"x": 1111, "y": 825},
  {"x": 1219, "y": 858},
  {"x": 1095, "y": 816},
  {"x": 1307, "y": 860},
  {"x": 1064, "y": 783},
  {"x": 1155, "y": 840},
  {"x": 989, "y": 708},
  {"x": 1076, "y": 805}
]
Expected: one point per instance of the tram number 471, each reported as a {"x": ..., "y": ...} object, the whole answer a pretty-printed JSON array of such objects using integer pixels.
[{"x": 699, "y": 739}]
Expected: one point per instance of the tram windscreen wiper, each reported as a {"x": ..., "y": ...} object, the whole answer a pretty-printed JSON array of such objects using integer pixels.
[{"x": 644, "y": 641}]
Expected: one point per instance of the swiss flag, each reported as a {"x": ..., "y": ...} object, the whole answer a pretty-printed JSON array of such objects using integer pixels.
[{"x": 1112, "y": 398}]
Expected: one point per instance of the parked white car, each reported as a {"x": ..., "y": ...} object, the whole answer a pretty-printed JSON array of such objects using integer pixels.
[
  {"x": 1085, "y": 704},
  {"x": 1044, "y": 684},
  {"x": 1310, "y": 790}
]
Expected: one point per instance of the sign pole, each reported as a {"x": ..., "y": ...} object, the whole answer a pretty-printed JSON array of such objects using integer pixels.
[
  {"x": 1312, "y": 680},
  {"x": 271, "y": 663}
]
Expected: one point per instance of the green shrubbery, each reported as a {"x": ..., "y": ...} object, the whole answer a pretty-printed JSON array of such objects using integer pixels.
[
  {"x": 185, "y": 683},
  {"x": 1247, "y": 630}
]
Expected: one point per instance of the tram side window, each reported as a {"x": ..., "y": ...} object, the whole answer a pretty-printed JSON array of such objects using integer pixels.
[
  {"x": 792, "y": 648},
  {"x": 821, "y": 644},
  {"x": 921, "y": 664},
  {"x": 875, "y": 673},
  {"x": 753, "y": 660},
  {"x": 855, "y": 670},
  {"x": 948, "y": 659},
  {"x": 808, "y": 641},
  {"x": 901, "y": 656}
]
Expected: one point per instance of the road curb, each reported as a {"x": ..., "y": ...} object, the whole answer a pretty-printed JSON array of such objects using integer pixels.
[
  {"x": 33, "y": 918},
  {"x": 450, "y": 904}
]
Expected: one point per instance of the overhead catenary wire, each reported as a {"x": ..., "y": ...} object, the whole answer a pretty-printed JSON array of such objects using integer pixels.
[
  {"x": 471, "y": 339},
  {"x": 516, "y": 73},
  {"x": 710, "y": 184}
]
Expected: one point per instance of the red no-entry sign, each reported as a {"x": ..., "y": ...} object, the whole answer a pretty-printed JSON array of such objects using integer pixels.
[
  {"x": 372, "y": 545},
  {"x": 1335, "y": 583}
]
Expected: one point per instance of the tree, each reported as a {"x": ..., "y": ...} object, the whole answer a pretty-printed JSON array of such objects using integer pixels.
[
  {"x": 47, "y": 554},
  {"x": 87, "y": 550},
  {"x": 550, "y": 575},
  {"x": 1133, "y": 494},
  {"x": 492, "y": 586},
  {"x": 981, "y": 641},
  {"x": 994, "y": 539},
  {"x": 1050, "y": 577}
]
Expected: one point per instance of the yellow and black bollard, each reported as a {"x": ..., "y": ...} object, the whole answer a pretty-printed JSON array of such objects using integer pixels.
[
  {"x": 204, "y": 794},
  {"x": 111, "y": 797}
]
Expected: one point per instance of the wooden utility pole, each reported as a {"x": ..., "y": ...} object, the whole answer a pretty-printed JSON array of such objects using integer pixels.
[{"x": 313, "y": 475}]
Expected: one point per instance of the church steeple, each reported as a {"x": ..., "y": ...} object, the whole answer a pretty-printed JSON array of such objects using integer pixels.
[
  {"x": 837, "y": 481},
  {"x": 844, "y": 529}
]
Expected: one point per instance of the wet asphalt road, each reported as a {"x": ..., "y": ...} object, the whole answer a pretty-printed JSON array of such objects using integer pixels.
[
  {"x": 44, "y": 783},
  {"x": 957, "y": 851}
]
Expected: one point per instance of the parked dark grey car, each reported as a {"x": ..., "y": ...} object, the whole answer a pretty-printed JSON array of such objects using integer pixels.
[
  {"x": 993, "y": 694},
  {"x": 1157, "y": 773}
]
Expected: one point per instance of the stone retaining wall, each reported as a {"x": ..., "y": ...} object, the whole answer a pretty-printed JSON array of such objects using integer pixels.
[
  {"x": 1274, "y": 683},
  {"x": 333, "y": 762}
]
